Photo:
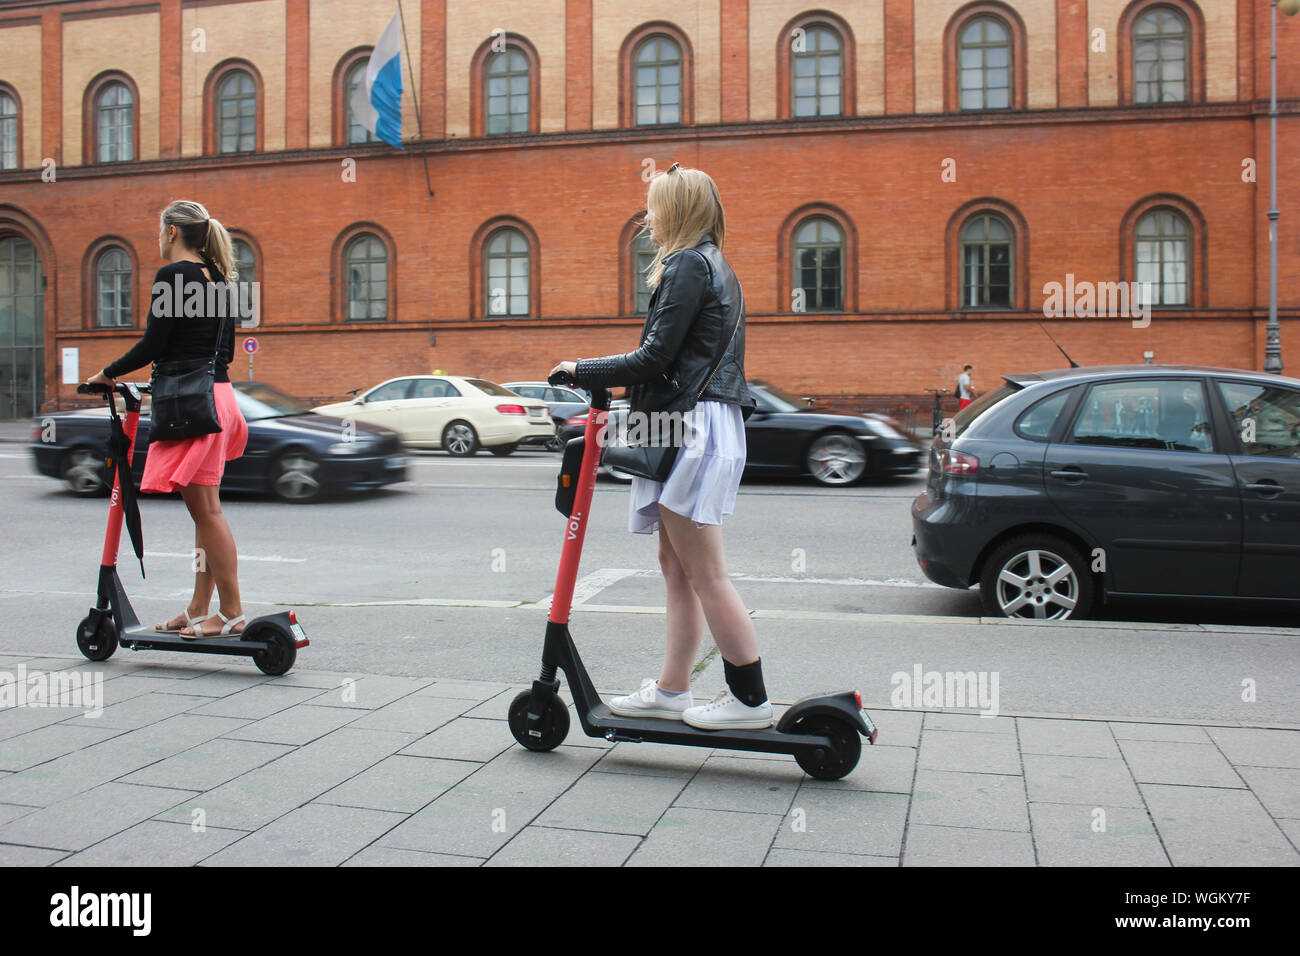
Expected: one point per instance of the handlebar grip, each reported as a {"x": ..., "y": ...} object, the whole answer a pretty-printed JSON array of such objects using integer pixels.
[
  {"x": 96, "y": 389},
  {"x": 561, "y": 378}
]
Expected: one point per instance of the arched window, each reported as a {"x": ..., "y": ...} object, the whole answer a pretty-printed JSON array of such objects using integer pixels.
[
  {"x": 819, "y": 264},
  {"x": 1162, "y": 252},
  {"x": 643, "y": 254},
  {"x": 236, "y": 113},
  {"x": 657, "y": 82},
  {"x": 507, "y": 272},
  {"x": 366, "y": 264},
  {"x": 246, "y": 263},
  {"x": 984, "y": 64},
  {"x": 1161, "y": 56},
  {"x": 816, "y": 73},
  {"x": 114, "y": 124},
  {"x": 987, "y": 256},
  {"x": 506, "y": 78},
  {"x": 356, "y": 133},
  {"x": 113, "y": 288},
  {"x": 8, "y": 131}
]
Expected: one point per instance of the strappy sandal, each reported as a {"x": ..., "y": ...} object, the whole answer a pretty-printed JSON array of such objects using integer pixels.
[
  {"x": 190, "y": 622},
  {"x": 227, "y": 628}
]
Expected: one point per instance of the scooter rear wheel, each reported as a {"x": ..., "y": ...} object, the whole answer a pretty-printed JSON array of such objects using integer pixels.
[
  {"x": 279, "y": 655},
  {"x": 97, "y": 641},
  {"x": 843, "y": 755},
  {"x": 555, "y": 723}
]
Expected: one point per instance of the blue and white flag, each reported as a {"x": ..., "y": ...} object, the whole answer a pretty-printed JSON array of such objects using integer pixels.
[{"x": 377, "y": 100}]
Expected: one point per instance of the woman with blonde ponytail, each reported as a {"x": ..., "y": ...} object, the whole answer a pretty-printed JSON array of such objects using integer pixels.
[{"x": 198, "y": 252}]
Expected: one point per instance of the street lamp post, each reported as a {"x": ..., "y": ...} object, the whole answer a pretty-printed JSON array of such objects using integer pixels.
[{"x": 1273, "y": 332}]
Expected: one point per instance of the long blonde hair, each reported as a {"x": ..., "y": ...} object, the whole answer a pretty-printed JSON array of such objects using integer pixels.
[
  {"x": 203, "y": 234},
  {"x": 686, "y": 207}
]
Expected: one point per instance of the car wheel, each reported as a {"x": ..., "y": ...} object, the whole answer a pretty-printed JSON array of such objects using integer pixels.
[
  {"x": 502, "y": 450},
  {"x": 460, "y": 439},
  {"x": 617, "y": 475},
  {"x": 1037, "y": 576},
  {"x": 86, "y": 473},
  {"x": 296, "y": 477},
  {"x": 555, "y": 442},
  {"x": 836, "y": 458}
]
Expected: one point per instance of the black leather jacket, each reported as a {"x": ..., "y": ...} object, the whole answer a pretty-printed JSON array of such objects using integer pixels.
[{"x": 692, "y": 314}]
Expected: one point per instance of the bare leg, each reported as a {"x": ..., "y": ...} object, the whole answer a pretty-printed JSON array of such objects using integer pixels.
[
  {"x": 685, "y": 620},
  {"x": 700, "y": 552},
  {"x": 204, "y": 505},
  {"x": 202, "y": 596}
]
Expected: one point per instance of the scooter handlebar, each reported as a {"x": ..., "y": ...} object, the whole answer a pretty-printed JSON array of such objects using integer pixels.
[{"x": 599, "y": 396}]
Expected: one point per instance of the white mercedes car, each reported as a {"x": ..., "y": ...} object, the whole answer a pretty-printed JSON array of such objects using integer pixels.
[{"x": 451, "y": 412}]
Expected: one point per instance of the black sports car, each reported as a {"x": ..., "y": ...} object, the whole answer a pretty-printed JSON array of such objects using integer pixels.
[
  {"x": 785, "y": 436},
  {"x": 293, "y": 453}
]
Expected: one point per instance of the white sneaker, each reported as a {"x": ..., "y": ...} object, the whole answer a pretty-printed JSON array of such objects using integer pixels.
[
  {"x": 650, "y": 701},
  {"x": 725, "y": 712}
]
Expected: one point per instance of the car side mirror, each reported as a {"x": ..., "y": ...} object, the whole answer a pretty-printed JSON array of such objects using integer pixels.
[{"x": 358, "y": 400}]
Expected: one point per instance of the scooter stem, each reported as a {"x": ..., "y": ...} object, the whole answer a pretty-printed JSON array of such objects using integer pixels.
[
  {"x": 575, "y": 528},
  {"x": 113, "y": 534}
]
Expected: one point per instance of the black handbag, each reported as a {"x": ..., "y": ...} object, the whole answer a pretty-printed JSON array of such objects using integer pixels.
[
  {"x": 184, "y": 405},
  {"x": 655, "y": 460}
]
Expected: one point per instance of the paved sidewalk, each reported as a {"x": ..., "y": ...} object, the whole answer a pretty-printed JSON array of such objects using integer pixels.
[{"x": 215, "y": 763}]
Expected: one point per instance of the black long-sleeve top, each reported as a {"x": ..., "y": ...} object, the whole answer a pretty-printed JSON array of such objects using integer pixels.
[{"x": 173, "y": 335}]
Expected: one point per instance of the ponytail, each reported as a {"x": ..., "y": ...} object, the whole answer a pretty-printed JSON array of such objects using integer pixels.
[{"x": 219, "y": 252}]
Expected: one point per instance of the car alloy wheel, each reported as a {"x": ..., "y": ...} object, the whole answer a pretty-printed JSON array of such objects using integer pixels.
[
  {"x": 1038, "y": 577},
  {"x": 460, "y": 439},
  {"x": 296, "y": 477},
  {"x": 85, "y": 472},
  {"x": 836, "y": 458}
]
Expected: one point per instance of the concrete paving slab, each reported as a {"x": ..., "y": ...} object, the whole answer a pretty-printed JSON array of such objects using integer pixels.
[
  {"x": 1088, "y": 835},
  {"x": 738, "y": 783},
  {"x": 1258, "y": 748},
  {"x": 844, "y": 821},
  {"x": 465, "y": 738},
  {"x": 961, "y": 750},
  {"x": 613, "y": 803},
  {"x": 686, "y": 836},
  {"x": 1096, "y": 781},
  {"x": 416, "y": 713},
  {"x": 780, "y": 857},
  {"x": 1205, "y": 826},
  {"x": 1066, "y": 738},
  {"x": 1278, "y": 789},
  {"x": 965, "y": 846},
  {"x": 296, "y": 726},
  {"x": 86, "y": 818},
  {"x": 1184, "y": 733},
  {"x": 255, "y": 703},
  {"x": 544, "y": 846},
  {"x": 970, "y": 723},
  {"x": 154, "y": 843},
  {"x": 46, "y": 743},
  {"x": 1167, "y": 761},
  {"x": 11, "y": 855},
  {"x": 656, "y": 760},
  {"x": 399, "y": 784},
  {"x": 371, "y": 693},
  {"x": 314, "y": 835},
  {"x": 881, "y": 770},
  {"x": 979, "y": 800},
  {"x": 207, "y": 765},
  {"x": 390, "y": 856}
]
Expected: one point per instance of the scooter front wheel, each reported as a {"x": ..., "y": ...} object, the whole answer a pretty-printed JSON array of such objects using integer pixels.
[
  {"x": 555, "y": 722},
  {"x": 844, "y": 753},
  {"x": 97, "y": 639}
]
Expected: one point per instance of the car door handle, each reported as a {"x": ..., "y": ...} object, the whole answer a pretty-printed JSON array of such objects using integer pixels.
[
  {"x": 1070, "y": 474},
  {"x": 1268, "y": 488}
]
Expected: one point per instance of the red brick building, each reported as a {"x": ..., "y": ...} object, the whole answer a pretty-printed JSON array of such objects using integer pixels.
[{"x": 903, "y": 180}]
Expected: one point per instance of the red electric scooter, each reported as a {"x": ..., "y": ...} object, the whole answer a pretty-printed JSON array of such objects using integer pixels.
[
  {"x": 272, "y": 641},
  {"x": 821, "y": 732}
]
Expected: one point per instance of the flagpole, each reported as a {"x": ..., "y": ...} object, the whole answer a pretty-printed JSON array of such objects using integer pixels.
[{"x": 419, "y": 126}]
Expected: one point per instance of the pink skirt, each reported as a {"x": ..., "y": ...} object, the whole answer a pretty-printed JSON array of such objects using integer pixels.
[{"x": 169, "y": 465}]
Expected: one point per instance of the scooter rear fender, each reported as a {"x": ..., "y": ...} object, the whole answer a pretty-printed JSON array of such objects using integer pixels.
[{"x": 843, "y": 705}]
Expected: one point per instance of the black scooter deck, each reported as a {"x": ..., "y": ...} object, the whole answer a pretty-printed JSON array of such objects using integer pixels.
[
  {"x": 145, "y": 638},
  {"x": 603, "y": 722}
]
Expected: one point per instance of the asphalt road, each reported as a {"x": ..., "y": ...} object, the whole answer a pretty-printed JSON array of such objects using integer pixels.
[{"x": 448, "y": 574}]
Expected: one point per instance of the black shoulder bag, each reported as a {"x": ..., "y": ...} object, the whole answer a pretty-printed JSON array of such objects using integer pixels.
[
  {"x": 655, "y": 461},
  {"x": 184, "y": 405}
]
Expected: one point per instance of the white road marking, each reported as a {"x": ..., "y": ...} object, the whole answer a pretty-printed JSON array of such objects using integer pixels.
[
  {"x": 189, "y": 556},
  {"x": 589, "y": 585}
]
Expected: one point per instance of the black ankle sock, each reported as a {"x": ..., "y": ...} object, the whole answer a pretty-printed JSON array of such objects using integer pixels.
[{"x": 746, "y": 682}]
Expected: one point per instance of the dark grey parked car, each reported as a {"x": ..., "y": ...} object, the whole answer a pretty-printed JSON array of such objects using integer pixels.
[{"x": 1060, "y": 488}]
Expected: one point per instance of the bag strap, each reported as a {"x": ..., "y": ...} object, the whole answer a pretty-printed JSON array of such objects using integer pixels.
[
  {"x": 221, "y": 325},
  {"x": 723, "y": 354}
]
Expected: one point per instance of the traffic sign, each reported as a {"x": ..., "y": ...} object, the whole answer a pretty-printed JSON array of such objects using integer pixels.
[{"x": 250, "y": 345}]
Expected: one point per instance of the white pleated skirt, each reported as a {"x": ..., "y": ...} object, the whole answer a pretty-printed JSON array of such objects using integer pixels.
[{"x": 705, "y": 476}]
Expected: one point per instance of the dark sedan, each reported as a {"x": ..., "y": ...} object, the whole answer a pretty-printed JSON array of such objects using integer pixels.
[
  {"x": 785, "y": 436},
  {"x": 1060, "y": 488},
  {"x": 293, "y": 453}
]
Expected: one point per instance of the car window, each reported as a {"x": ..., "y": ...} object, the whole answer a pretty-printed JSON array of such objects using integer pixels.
[
  {"x": 1036, "y": 423},
  {"x": 1148, "y": 413},
  {"x": 963, "y": 419},
  {"x": 389, "y": 391},
  {"x": 429, "y": 388},
  {"x": 490, "y": 388},
  {"x": 527, "y": 391},
  {"x": 561, "y": 395},
  {"x": 1265, "y": 417}
]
